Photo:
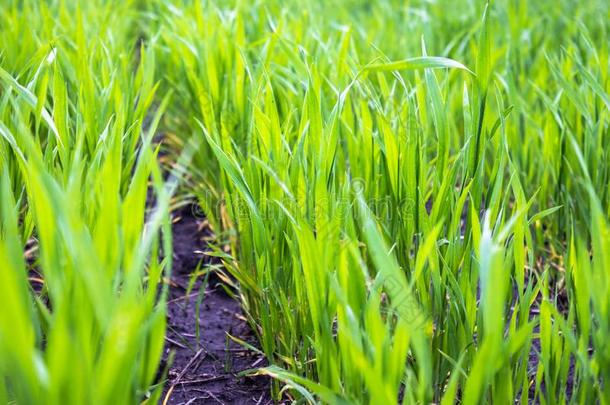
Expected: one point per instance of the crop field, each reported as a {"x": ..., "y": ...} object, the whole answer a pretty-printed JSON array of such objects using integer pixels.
[{"x": 282, "y": 201}]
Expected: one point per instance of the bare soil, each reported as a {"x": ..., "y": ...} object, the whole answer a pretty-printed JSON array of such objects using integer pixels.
[{"x": 207, "y": 370}]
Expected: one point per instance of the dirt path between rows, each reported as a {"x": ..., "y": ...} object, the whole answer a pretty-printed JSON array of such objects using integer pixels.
[{"x": 206, "y": 371}]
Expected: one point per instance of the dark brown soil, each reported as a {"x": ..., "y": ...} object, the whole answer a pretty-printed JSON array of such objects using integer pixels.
[{"x": 207, "y": 370}]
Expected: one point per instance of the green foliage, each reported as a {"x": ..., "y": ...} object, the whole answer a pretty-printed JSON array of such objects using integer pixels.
[
  {"x": 84, "y": 321},
  {"x": 414, "y": 194},
  {"x": 400, "y": 222}
]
